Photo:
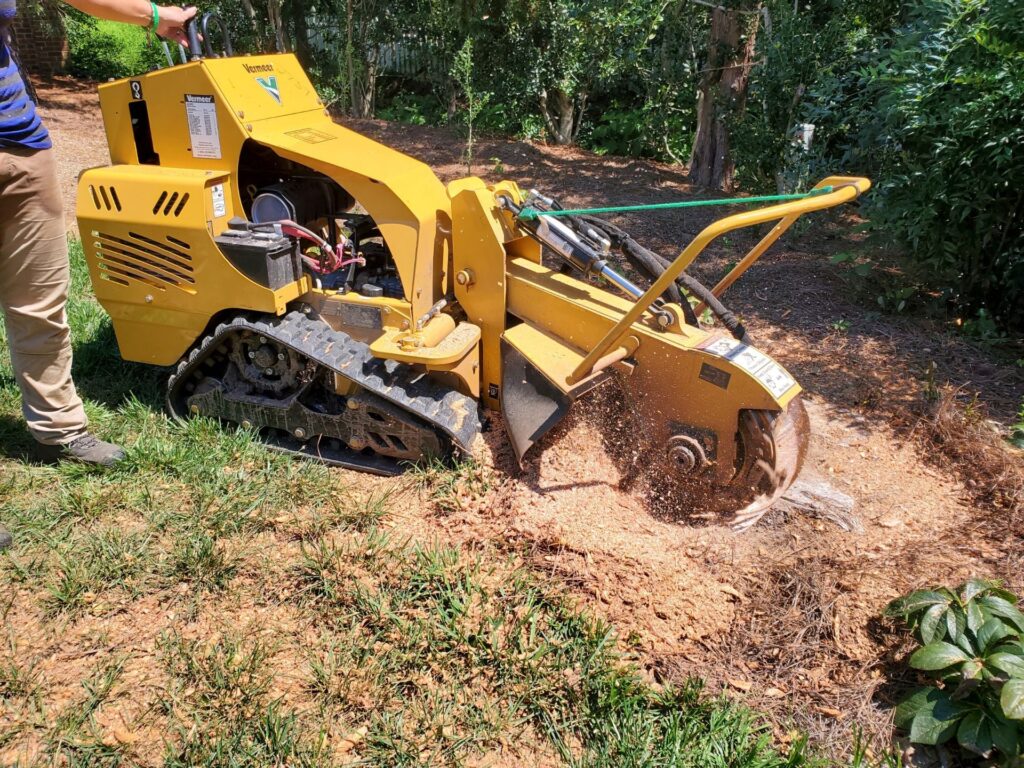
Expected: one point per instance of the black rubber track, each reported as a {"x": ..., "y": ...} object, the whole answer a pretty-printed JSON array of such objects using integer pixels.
[{"x": 451, "y": 412}]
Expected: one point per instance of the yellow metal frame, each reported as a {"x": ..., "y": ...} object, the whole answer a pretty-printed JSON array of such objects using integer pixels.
[{"x": 845, "y": 189}]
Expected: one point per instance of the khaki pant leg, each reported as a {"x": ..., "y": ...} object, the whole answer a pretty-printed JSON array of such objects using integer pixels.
[{"x": 34, "y": 278}]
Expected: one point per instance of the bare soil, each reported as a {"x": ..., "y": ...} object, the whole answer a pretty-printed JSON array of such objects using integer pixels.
[{"x": 786, "y": 615}]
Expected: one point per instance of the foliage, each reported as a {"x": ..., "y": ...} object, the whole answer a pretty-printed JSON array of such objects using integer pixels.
[
  {"x": 564, "y": 51},
  {"x": 951, "y": 105},
  {"x": 413, "y": 109},
  {"x": 639, "y": 132},
  {"x": 1017, "y": 429},
  {"x": 101, "y": 50},
  {"x": 972, "y": 646},
  {"x": 473, "y": 100},
  {"x": 933, "y": 110}
]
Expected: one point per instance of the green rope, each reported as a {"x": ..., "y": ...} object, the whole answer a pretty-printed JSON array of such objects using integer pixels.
[{"x": 531, "y": 213}]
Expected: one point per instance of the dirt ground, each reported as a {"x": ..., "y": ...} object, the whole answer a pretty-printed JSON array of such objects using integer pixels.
[{"x": 786, "y": 615}]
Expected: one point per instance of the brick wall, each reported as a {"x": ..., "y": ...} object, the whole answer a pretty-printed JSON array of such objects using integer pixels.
[{"x": 39, "y": 35}]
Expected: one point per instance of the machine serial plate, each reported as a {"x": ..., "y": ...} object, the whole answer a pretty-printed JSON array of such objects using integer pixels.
[
  {"x": 715, "y": 376},
  {"x": 754, "y": 362},
  {"x": 356, "y": 315}
]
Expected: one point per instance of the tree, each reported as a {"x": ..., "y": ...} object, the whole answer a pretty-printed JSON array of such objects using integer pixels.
[
  {"x": 722, "y": 94},
  {"x": 462, "y": 73},
  {"x": 277, "y": 25},
  {"x": 566, "y": 49}
]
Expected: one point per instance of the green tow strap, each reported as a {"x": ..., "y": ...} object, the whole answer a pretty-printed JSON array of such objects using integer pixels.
[{"x": 531, "y": 213}]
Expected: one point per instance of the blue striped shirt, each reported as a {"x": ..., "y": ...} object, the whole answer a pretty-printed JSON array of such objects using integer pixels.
[{"x": 20, "y": 125}]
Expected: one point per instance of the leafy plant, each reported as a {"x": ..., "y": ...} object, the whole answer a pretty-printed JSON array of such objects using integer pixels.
[
  {"x": 101, "y": 50},
  {"x": 412, "y": 109},
  {"x": 972, "y": 646},
  {"x": 462, "y": 73},
  {"x": 1017, "y": 429}
]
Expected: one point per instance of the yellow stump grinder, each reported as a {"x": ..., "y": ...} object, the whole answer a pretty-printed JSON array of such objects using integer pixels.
[{"x": 331, "y": 293}]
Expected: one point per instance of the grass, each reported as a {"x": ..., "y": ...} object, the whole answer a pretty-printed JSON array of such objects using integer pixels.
[
  {"x": 220, "y": 605},
  {"x": 453, "y": 486}
]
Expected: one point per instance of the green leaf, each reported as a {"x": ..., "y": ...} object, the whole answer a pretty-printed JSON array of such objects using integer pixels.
[
  {"x": 1009, "y": 663},
  {"x": 1005, "y": 594},
  {"x": 971, "y": 670},
  {"x": 1016, "y": 648},
  {"x": 1003, "y": 608},
  {"x": 974, "y": 587},
  {"x": 907, "y": 709},
  {"x": 975, "y": 616},
  {"x": 910, "y": 604},
  {"x": 930, "y": 628},
  {"x": 937, "y": 656},
  {"x": 974, "y": 734},
  {"x": 991, "y": 632},
  {"x": 937, "y": 721},
  {"x": 1012, "y": 699},
  {"x": 956, "y": 622},
  {"x": 1005, "y": 735}
]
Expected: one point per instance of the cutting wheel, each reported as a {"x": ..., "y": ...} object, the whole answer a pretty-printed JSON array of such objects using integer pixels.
[{"x": 773, "y": 446}]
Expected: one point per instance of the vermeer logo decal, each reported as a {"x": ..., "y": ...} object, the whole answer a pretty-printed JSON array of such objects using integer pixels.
[{"x": 270, "y": 86}]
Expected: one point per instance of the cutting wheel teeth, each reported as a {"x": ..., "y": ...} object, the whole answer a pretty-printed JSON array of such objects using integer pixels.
[{"x": 786, "y": 443}]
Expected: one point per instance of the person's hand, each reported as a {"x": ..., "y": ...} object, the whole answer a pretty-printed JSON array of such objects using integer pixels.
[{"x": 172, "y": 23}]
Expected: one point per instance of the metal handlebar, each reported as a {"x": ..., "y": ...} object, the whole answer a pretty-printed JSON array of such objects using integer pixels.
[
  {"x": 844, "y": 189},
  {"x": 225, "y": 38},
  {"x": 197, "y": 31}
]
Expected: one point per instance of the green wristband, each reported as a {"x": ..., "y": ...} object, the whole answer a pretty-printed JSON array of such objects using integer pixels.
[{"x": 156, "y": 17}]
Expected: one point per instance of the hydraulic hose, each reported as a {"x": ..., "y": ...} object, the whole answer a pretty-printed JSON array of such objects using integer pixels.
[{"x": 654, "y": 265}]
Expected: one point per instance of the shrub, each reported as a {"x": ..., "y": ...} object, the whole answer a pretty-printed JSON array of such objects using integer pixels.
[
  {"x": 935, "y": 114},
  {"x": 972, "y": 646},
  {"x": 952, "y": 106},
  {"x": 101, "y": 50},
  {"x": 413, "y": 109}
]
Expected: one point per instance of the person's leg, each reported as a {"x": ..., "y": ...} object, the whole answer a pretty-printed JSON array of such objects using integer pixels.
[{"x": 34, "y": 278}]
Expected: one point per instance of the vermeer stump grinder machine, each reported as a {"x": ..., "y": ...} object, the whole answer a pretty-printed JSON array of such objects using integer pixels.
[{"x": 332, "y": 294}]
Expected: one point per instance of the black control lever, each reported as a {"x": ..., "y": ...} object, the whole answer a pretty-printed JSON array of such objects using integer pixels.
[{"x": 195, "y": 48}]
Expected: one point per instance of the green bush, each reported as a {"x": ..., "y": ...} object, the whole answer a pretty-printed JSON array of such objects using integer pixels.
[
  {"x": 934, "y": 113},
  {"x": 413, "y": 109},
  {"x": 952, "y": 107},
  {"x": 652, "y": 130},
  {"x": 101, "y": 50},
  {"x": 972, "y": 647}
]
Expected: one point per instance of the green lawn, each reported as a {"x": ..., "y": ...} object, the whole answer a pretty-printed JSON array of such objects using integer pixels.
[{"x": 211, "y": 603}]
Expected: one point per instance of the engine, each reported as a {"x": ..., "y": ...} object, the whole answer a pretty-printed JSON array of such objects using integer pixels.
[{"x": 301, "y": 221}]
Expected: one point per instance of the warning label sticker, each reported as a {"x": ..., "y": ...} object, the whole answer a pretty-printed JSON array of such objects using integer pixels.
[
  {"x": 220, "y": 207},
  {"x": 754, "y": 362},
  {"x": 202, "y": 126},
  {"x": 310, "y": 135}
]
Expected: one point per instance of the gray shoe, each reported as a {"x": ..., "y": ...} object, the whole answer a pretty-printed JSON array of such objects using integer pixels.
[
  {"x": 5, "y": 538},
  {"x": 86, "y": 449}
]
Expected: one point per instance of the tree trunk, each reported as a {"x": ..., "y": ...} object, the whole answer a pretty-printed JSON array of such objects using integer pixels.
[
  {"x": 297, "y": 15},
  {"x": 560, "y": 118},
  {"x": 723, "y": 93},
  {"x": 277, "y": 24},
  {"x": 251, "y": 13},
  {"x": 350, "y": 58}
]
